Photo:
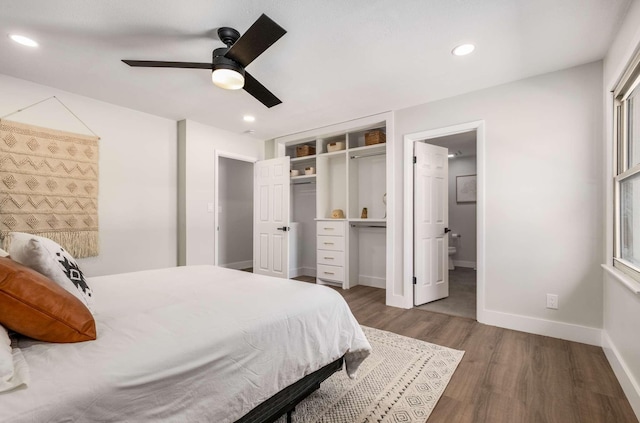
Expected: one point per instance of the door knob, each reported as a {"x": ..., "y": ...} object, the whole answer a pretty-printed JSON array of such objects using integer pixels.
[
  {"x": 447, "y": 230},
  {"x": 284, "y": 228}
]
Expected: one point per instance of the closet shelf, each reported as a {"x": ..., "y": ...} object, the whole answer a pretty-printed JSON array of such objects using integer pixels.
[
  {"x": 370, "y": 149},
  {"x": 302, "y": 159},
  {"x": 333, "y": 153},
  {"x": 299, "y": 177}
]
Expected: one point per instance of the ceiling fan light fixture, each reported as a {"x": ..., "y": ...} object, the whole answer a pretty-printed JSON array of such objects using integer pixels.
[
  {"x": 229, "y": 79},
  {"x": 226, "y": 73}
]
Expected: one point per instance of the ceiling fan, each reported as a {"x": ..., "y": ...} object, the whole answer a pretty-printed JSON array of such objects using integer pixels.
[{"x": 229, "y": 62}]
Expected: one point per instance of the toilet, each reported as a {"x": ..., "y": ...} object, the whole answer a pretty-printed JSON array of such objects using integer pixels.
[{"x": 452, "y": 251}]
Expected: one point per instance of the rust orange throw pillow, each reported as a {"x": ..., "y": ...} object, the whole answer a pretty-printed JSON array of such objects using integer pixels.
[{"x": 35, "y": 306}]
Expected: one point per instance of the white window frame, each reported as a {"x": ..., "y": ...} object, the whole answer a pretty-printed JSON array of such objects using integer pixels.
[{"x": 629, "y": 81}]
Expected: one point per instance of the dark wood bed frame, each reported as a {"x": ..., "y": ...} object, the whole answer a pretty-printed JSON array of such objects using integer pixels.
[{"x": 285, "y": 401}]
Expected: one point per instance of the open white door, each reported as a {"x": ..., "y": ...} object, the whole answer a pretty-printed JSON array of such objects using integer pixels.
[
  {"x": 271, "y": 198},
  {"x": 431, "y": 217}
]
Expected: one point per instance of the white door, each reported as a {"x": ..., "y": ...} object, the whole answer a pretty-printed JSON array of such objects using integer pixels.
[
  {"x": 431, "y": 217},
  {"x": 271, "y": 198}
]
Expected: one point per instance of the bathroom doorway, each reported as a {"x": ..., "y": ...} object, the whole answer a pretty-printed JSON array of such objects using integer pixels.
[{"x": 462, "y": 224}]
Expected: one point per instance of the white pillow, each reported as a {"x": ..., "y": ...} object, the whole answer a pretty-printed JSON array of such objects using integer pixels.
[
  {"x": 3, "y": 253},
  {"x": 50, "y": 259},
  {"x": 13, "y": 367}
]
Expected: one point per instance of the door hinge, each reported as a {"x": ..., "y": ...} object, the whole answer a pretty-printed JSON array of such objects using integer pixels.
[
  {"x": 415, "y": 160},
  {"x": 415, "y": 280}
]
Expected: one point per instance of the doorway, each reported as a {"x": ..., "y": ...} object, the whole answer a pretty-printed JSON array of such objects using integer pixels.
[
  {"x": 467, "y": 269},
  {"x": 461, "y": 253},
  {"x": 234, "y": 211}
]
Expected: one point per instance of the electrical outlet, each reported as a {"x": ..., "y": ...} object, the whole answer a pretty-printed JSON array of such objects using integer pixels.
[{"x": 552, "y": 301}]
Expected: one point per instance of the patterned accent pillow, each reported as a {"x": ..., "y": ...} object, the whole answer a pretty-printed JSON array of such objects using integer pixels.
[{"x": 50, "y": 259}]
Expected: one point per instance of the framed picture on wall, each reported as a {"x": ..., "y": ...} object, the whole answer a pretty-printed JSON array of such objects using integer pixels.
[{"x": 466, "y": 189}]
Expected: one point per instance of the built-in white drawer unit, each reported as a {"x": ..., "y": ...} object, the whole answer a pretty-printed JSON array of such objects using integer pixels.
[
  {"x": 332, "y": 258},
  {"x": 331, "y": 228},
  {"x": 332, "y": 273},
  {"x": 335, "y": 243}
]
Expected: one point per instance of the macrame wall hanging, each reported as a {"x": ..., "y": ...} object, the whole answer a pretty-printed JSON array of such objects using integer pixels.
[{"x": 49, "y": 184}]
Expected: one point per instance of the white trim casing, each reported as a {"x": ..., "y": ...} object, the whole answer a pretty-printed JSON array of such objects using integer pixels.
[{"x": 408, "y": 141}]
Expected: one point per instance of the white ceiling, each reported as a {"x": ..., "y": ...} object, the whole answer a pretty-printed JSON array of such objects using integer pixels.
[{"x": 340, "y": 60}]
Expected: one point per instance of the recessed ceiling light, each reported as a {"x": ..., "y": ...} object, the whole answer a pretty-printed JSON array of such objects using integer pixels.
[
  {"x": 249, "y": 118},
  {"x": 25, "y": 41},
  {"x": 463, "y": 49}
]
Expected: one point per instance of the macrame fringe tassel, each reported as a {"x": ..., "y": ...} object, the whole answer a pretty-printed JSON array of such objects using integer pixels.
[{"x": 79, "y": 244}]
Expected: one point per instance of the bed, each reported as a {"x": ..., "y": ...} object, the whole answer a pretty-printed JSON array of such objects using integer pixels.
[{"x": 196, "y": 343}]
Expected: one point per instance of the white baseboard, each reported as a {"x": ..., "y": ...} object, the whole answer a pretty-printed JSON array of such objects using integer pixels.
[
  {"x": 239, "y": 265},
  {"x": 295, "y": 272},
  {"x": 567, "y": 331},
  {"x": 629, "y": 384},
  {"x": 308, "y": 271},
  {"x": 372, "y": 281},
  {"x": 464, "y": 263},
  {"x": 302, "y": 271}
]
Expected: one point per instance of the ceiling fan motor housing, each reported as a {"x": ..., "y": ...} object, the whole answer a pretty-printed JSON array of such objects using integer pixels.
[{"x": 220, "y": 61}]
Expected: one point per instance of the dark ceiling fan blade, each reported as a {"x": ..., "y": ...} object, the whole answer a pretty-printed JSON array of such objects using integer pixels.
[
  {"x": 259, "y": 37},
  {"x": 155, "y": 64},
  {"x": 256, "y": 89}
]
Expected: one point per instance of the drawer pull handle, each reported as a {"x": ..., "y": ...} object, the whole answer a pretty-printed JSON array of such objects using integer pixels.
[
  {"x": 329, "y": 258},
  {"x": 329, "y": 229},
  {"x": 328, "y": 243},
  {"x": 329, "y": 273}
]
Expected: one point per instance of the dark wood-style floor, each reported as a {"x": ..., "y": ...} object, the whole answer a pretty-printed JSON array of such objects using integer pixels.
[{"x": 504, "y": 376}]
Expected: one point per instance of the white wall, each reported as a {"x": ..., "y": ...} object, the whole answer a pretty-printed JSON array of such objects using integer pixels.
[
  {"x": 544, "y": 193},
  {"x": 196, "y": 174},
  {"x": 621, "y": 342},
  {"x": 462, "y": 216},
  {"x": 138, "y": 185},
  {"x": 235, "y": 213}
]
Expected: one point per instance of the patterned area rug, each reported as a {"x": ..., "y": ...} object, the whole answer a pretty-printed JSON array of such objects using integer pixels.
[{"x": 401, "y": 381}]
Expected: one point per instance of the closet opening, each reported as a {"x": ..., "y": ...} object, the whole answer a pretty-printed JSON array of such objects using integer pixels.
[
  {"x": 302, "y": 239},
  {"x": 338, "y": 178}
]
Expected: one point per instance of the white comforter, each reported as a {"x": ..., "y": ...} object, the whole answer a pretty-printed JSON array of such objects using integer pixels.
[{"x": 187, "y": 344}]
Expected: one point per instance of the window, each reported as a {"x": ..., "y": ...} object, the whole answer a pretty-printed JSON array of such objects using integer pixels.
[{"x": 627, "y": 172}]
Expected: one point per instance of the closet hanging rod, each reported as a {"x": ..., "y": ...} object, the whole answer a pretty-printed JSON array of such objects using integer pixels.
[
  {"x": 367, "y": 155},
  {"x": 367, "y": 226},
  {"x": 303, "y": 183}
]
